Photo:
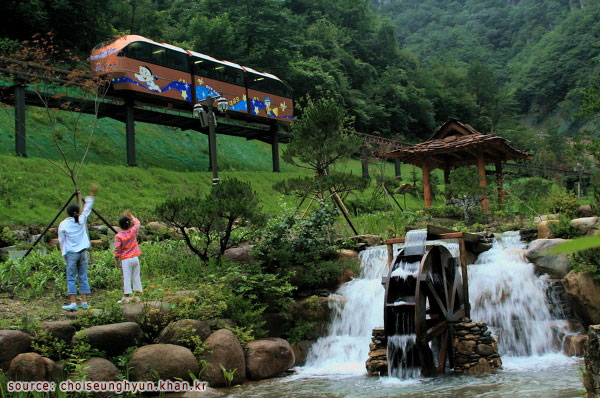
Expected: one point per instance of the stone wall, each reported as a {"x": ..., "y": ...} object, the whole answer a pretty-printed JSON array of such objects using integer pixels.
[
  {"x": 377, "y": 364},
  {"x": 591, "y": 379},
  {"x": 476, "y": 351}
]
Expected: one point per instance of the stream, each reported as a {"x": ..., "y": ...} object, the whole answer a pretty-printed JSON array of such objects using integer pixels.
[{"x": 504, "y": 292}]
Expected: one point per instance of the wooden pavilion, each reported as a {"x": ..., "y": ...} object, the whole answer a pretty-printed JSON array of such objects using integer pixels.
[{"x": 456, "y": 144}]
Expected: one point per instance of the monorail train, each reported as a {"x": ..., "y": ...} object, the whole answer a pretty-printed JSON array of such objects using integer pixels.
[{"x": 161, "y": 72}]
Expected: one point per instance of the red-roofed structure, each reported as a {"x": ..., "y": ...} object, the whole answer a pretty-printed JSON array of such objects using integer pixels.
[{"x": 456, "y": 144}]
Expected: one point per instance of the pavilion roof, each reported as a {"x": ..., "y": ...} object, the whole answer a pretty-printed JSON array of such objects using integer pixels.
[{"x": 456, "y": 144}]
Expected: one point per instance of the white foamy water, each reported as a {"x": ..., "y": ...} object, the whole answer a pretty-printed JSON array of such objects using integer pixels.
[
  {"x": 346, "y": 347},
  {"x": 505, "y": 292}
]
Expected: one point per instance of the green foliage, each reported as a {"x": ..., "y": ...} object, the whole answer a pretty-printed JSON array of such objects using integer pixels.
[
  {"x": 563, "y": 203},
  {"x": 320, "y": 136},
  {"x": 222, "y": 218},
  {"x": 7, "y": 237},
  {"x": 228, "y": 374},
  {"x": 300, "y": 331},
  {"x": 563, "y": 228},
  {"x": 444, "y": 212},
  {"x": 290, "y": 240},
  {"x": 587, "y": 261},
  {"x": 49, "y": 346}
]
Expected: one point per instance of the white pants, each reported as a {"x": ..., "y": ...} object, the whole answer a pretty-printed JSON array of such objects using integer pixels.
[{"x": 131, "y": 273}]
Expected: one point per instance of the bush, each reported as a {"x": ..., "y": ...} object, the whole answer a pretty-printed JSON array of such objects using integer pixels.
[
  {"x": 445, "y": 212},
  {"x": 587, "y": 261},
  {"x": 563, "y": 203},
  {"x": 563, "y": 228}
]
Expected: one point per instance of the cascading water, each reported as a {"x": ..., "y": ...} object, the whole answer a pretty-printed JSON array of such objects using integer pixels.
[
  {"x": 505, "y": 293},
  {"x": 346, "y": 346}
]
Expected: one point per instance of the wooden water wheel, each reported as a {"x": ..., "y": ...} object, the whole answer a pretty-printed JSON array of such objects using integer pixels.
[{"x": 424, "y": 297}]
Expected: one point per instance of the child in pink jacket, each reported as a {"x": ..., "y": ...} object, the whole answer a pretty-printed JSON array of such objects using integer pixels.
[{"x": 127, "y": 253}]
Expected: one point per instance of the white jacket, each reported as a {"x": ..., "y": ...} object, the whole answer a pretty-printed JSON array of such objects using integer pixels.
[{"x": 73, "y": 237}]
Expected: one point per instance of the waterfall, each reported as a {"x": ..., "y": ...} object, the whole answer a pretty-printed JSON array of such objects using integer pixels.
[
  {"x": 505, "y": 292},
  {"x": 346, "y": 346},
  {"x": 503, "y": 289}
]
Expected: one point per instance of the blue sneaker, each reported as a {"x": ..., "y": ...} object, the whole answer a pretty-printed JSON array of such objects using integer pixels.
[
  {"x": 70, "y": 307},
  {"x": 84, "y": 306}
]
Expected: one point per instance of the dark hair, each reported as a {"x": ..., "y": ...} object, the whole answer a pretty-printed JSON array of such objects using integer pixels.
[
  {"x": 125, "y": 222},
  {"x": 73, "y": 211}
]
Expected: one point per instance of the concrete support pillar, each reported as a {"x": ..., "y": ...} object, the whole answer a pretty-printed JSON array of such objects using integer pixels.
[
  {"x": 130, "y": 133},
  {"x": 275, "y": 148}
]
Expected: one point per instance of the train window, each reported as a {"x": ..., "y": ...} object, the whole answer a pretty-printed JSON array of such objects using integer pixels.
[
  {"x": 177, "y": 60},
  {"x": 159, "y": 55},
  {"x": 267, "y": 85},
  {"x": 138, "y": 50},
  {"x": 218, "y": 71}
]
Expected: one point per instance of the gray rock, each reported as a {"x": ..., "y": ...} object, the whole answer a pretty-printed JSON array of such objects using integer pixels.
[
  {"x": 12, "y": 343},
  {"x": 585, "y": 225},
  {"x": 555, "y": 265},
  {"x": 301, "y": 351},
  {"x": 583, "y": 294},
  {"x": 31, "y": 366},
  {"x": 242, "y": 254},
  {"x": 62, "y": 330},
  {"x": 183, "y": 329},
  {"x": 224, "y": 349},
  {"x": 163, "y": 361},
  {"x": 267, "y": 358},
  {"x": 585, "y": 211},
  {"x": 113, "y": 339}
]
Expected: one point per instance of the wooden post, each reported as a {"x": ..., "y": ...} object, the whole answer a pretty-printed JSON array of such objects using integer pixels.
[
  {"x": 212, "y": 139},
  {"x": 465, "y": 275},
  {"x": 20, "y": 143},
  {"x": 482, "y": 182},
  {"x": 364, "y": 160},
  {"x": 130, "y": 133},
  {"x": 275, "y": 148},
  {"x": 447, "y": 180},
  {"x": 426, "y": 186},
  {"x": 499, "y": 182},
  {"x": 397, "y": 168}
]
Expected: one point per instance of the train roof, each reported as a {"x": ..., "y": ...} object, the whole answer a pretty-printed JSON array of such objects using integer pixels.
[
  {"x": 209, "y": 58},
  {"x": 108, "y": 47},
  {"x": 247, "y": 68}
]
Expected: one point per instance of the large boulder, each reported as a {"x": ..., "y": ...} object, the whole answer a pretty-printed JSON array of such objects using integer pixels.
[
  {"x": 544, "y": 229},
  {"x": 583, "y": 294},
  {"x": 31, "y": 366},
  {"x": 242, "y": 254},
  {"x": 100, "y": 369},
  {"x": 586, "y": 225},
  {"x": 591, "y": 378},
  {"x": 61, "y": 330},
  {"x": 555, "y": 265},
  {"x": 113, "y": 339},
  {"x": 162, "y": 361},
  {"x": 585, "y": 211},
  {"x": 12, "y": 343},
  {"x": 267, "y": 358},
  {"x": 224, "y": 349},
  {"x": 180, "y": 332}
]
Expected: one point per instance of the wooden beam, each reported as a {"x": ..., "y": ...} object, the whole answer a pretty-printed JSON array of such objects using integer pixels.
[
  {"x": 426, "y": 185},
  {"x": 465, "y": 275},
  {"x": 499, "y": 182},
  {"x": 447, "y": 180},
  {"x": 482, "y": 181}
]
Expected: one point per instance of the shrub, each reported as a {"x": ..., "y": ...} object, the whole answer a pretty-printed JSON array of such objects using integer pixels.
[
  {"x": 445, "y": 212},
  {"x": 587, "y": 261},
  {"x": 563, "y": 228},
  {"x": 563, "y": 203}
]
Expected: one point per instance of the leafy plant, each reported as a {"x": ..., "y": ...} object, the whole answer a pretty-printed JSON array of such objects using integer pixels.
[{"x": 228, "y": 374}]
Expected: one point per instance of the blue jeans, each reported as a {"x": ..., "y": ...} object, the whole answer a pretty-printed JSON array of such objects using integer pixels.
[{"x": 77, "y": 264}]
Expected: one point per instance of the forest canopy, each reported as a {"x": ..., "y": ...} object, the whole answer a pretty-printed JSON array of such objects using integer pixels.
[{"x": 398, "y": 67}]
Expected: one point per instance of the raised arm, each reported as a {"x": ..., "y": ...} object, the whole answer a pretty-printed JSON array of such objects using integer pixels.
[
  {"x": 89, "y": 202},
  {"x": 136, "y": 223}
]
